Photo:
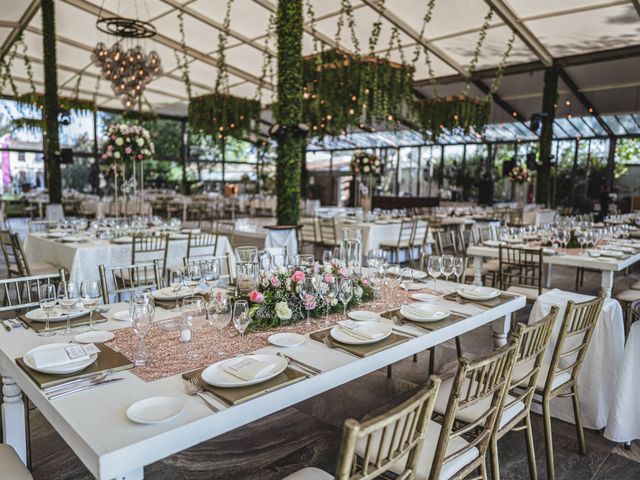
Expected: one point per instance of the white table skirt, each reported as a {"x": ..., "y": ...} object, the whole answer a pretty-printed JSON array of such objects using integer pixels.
[
  {"x": 623, "y": 424},
  {"x": 597, "y": 377},
  {"x": 282, "y": 238},
  {"x": 82, "y": 259}
]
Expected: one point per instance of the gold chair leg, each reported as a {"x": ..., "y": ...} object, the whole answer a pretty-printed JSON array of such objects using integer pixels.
[
  {"x": 531, "y": 453},
  {"x": 483, "y": 470},
  {"x": 495, "y": 466},
  {"x": 578, "y": 418},
  {"x": 548, "y": 439}
]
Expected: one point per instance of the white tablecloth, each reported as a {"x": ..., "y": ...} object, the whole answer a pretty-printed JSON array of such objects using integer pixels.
[
  {"x": 623, "y": 424},
  {"x": 82, "y": 259},
  {"x": 596, "y": 381}
]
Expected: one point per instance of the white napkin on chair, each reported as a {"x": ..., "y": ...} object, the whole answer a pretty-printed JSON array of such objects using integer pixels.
[{"x": 247, "y": 368}]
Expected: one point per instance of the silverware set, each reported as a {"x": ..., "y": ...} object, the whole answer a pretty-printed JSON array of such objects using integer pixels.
[
  {"x": 193, "y": 387},
  {"x": 11, "y": 323},
  {"x": 327, "y": 341},
  {"x": 307, "y": 369},
  {"x": 79, "y": 384}
]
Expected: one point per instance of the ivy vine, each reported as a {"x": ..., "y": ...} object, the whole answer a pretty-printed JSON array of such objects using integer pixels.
[
  {"x": 223, "y": 76},
  {"x": 476, "y": 53},
  {"x": 503, "y": 63},
  {"x": 183, "y": 63},
  {"x": 427, "y": 56},
  {"x": 377, "y": 28}
]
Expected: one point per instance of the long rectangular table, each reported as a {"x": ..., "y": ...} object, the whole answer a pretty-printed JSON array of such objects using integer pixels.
[
  {"x": 607, "y": 266},
  {"x": 94, "y": 424}
]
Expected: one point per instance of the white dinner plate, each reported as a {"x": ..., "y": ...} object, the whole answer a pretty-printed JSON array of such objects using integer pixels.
[
  {"x": 363, "y": 315},
  {"x": 94, "y": 336},
  {"x": 58, "y": 314},
  {"x": 428, "y": 312},
  {"x": 341, "y": 335},
  {"x": 612, "y": 253},
  {"x": 71, "y": 367},
  {"x": 417, "y": 286},
  {"x": 122, "y": 316},
  {"x": 216, "y": 376},
  {"x": 168, "y": 293},
  {"x": 73, "y": 239},
  {"x": 478, "y": 293},
  {"x": 155, "y": 410},
  {"x": 287, "y": 339},
  {"x": 424, "y": 297}
]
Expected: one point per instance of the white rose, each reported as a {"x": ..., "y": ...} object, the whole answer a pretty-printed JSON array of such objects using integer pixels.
[
  {"x": 327, "y": 268},
  {"x": 119, "y": 141},
  {"x": 366, "y": 169},
  {"x": 283, "y": 311},
  {"x": 116, "y": 155},
  {"x": 358, "y": 291},
  {"x": 365, "y": 160},
  {"x": 140, "y": 142}
]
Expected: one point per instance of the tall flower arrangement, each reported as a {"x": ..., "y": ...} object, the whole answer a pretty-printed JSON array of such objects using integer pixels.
[
  {"x": 519, "y": 175},
  {"x": 127, "y": 143},
  {"x": 366, "y": 164}
]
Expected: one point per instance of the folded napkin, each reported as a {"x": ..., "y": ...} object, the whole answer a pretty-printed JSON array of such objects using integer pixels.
[
  {"x": 361, "y": 331},
  {"x": 247, "y": 368},
  {"x": 420, "y": 313},
  {"x": 478, "y": 291},
  {"x": 59, "y": 356}
]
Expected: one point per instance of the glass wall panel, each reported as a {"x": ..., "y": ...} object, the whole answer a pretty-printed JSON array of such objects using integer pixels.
[{"x": 408, "y": 171}]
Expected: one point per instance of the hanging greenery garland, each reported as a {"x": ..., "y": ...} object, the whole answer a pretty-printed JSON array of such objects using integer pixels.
[
  {"x": 418, "y": 48},
  {"x": 220, "y": 113},
  {"x": 183, "y": 63}
]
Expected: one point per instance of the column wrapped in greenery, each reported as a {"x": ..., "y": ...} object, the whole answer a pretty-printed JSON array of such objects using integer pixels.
[
  {"x": 50, "y": 111},
  {"x": 549, "y": 101},
  {"x": 289, "y": 110}
]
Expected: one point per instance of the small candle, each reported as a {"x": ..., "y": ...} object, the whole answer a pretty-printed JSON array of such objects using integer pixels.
[{"x": 185, "y": 335}]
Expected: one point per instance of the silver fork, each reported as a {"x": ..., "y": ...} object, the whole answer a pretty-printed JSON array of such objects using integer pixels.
[
  {"x": 327, "y": 341},
  {"x": 305, "y": 367},
  {"x": 192, "y": 387}
]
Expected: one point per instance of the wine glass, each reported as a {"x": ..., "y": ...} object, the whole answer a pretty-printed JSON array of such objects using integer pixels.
[
  {"x": 327, "y": 256},
  {"x": 307, "y": 293},
  {"x": 327, "y": 293},
  {"x": 194, "y": 277},
  {"x": 393, "y": 276},
  {"x": 345, "y": 292},
  {"x": 68, "y": 298},
  {"x": 90, "y": 296},
  {"x": 434, "y": 268},
  {"x": 212, "y": 274},
  {"x": 175, "y": 283},
  {"x": 377, "y": 280},
  {"x": 141, "y": 324},
  {"x": 447, "y": 266},
  {"x": 47, "y": 302},
  {"x": 193, "y": 312},
  {"x": 458, "y": 267},
  {"x": 219, "y": 318},
  {"x": 406, "y": 278},
  {"x": 241, "y": 320}
]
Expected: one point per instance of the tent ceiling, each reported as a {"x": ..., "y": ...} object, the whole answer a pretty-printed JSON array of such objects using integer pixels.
[{"x": 570, "y": 27}]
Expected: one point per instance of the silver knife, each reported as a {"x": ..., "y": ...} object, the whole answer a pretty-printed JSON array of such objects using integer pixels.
[
  {"x": 82, "y": 388},
  {"x": 79, "y": 379}
]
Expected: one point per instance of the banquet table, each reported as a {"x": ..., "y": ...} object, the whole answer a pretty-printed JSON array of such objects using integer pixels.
[
  {"x": 597, "y": 378},
  {"x": 81, "y": 260},
  {"x": 94, "y": 424},
  {"x": 607, "y": 266}
]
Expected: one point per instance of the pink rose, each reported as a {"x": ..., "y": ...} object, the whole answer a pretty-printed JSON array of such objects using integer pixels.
[
  {"x": 128, "y": 150},
  {"x": 218, "y": 295},
  {"x": 329, "y": 278},
  {"x": 109, "y": 147},
  {"x": 275, "y": 282},
  {"x": 365, "y": 282},
  {"x": 255, "y": 296},
  {"x": 297, "y": 276},
  {"x": 139, "y": 157},
  {"x": 344, "y": 272},
  {"x": 309, "y": 302}
]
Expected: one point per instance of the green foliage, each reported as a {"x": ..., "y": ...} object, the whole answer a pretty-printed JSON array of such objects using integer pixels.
[
  {"x": 343, "y": 90},
  {"x": 220, "y": 115},
  {"x": 456, "y": 114}
]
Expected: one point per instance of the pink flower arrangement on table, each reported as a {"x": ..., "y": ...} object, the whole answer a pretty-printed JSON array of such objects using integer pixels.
[{"x": 126, "y": 142}]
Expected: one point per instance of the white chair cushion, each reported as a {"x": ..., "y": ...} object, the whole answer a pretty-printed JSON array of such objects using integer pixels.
[
  {"x": 428, "y": 450},
  {"x": 530, "y": 292},
  {"x": 309, "y": 473},
  {"x": 11, "y": 467},
  {"x": 628, "y": 295},
  {"x": 521, "y": 370},
  {"x": 471, "y": 413}
]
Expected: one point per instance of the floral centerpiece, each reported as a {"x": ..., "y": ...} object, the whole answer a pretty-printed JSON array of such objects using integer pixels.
[
  {"x": 519, "y": 175},
  {"x": 276, "y": 302},
  {"x": 127, "y": 142},
  {"x": 366, "y": 164}
]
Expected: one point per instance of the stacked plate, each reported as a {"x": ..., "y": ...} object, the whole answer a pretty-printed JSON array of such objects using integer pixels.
[
  {"x": 424, "y": 312},
  {"x": 58, "y": 314},
  {"x": 360, "y": 333},
  {"x": 65, "y": 368},
  {"x": 244, "y": 371},
  {"x": 478, "y": 293}
]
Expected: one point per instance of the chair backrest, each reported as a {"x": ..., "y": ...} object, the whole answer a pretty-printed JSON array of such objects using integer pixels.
[
  {"x": 534, "y": 340},
  {"x": 40, "y": 226},
  {"x": 369, "y": 448},
  {"x": 466, "y": 238},
  {"x": 202, "y": 240},
  {"x": 328, "y": 233},
  {"x": 225, "y": 263},
  {"x": 446, "y": 243},
  {"x": 485, "y": 234},
  {"x": 227, "y": 229},
  {"x": 420, "y": 232},
  {"x": 520, "y": 267},
  {"x": 308, "y": 230},
  {"x": 573, "y": 341},
  {"x": 14, "y": 257},
  {"x": 24, "y": 292},
  {"x": 119, "y": 280},
  {"x": 480, "y": 384},
  {"x": 150, "y": 247},
  {"x": 406, "y": 232}
]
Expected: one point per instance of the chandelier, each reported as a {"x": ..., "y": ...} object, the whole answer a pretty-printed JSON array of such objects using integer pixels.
[{"x": 126, "y": 65}]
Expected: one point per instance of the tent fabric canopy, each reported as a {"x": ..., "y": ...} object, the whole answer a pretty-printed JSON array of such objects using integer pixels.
[{"x": 580, "y": 33}]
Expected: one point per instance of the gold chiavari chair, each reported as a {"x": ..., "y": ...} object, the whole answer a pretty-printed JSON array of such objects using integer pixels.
[
  {"x": 16, "y": 260},
  {"x": 418, "y": 242},
  {"x": 307, "y": 232},
  {"x": 403, "y": 244},
  {"x": 490, "y": 267},
  {"x": 529, "y": 360},
  {"x": 485, "y": 234},
  {"x": 202, "y": 241},
  {"x": 466, "y": 238},
  {"x": 520, "y": 271},
  {"x": 446, "y": 243},
  {"x": 328, "y": 232},
  {"x": 146, "y": 248},
  {"x": 22, "y": 293},
  {"x": 41, "y": 226},
  {"x": 561, "y": 379},
  {"x": 123, "y": 280},
  {"x": 225, "y": 264},
  {"x": 227, "y": 229},
  {"x": 390, "y": 442}
]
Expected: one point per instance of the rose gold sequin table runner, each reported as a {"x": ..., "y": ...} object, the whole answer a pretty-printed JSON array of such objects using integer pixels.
[{"x": 168, "y": 356}]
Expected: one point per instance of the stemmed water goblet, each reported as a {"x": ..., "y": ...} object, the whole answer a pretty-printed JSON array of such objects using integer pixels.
[
  {"x": 47, "y": 302},
  {"x": 392, "y": 276},
  {"x": 90, "y": 297},
  {"x": 212, "y": 274},
  {"x": 345, "y": 292},
  {"x": 458, "y": 267},
  {"x": 447, "y": 266},
  {"x": 219, "y": 314},
  {"x": 377, "y": 281},
  {"x": 307, "y": 293},
  {"x": 194, "y": 277},
  {"x": 406, "y": 278},
  {"x": 327, "y": 256},
  {"x": 68, "y": 296},
  {"x": 176, "y": 283},
  {"x": 434, "y": 268},
  {"x": 241, "y": 320}
]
